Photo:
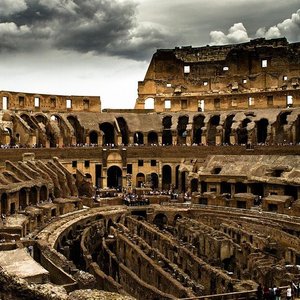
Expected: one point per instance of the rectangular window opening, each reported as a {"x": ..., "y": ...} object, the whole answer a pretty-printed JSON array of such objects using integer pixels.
[
  {"x": 167, "y": 104},
  {"x": 53, "y": 102},
  {"x": 4, "y": 103},
  {"x": 186, "y": 69},
  {"x": 270, "y": 100},
  {"x": 217, "y": 103},
  {"x": 36, "y": 102},
  {"x": 250, "y": 101},
  {"x": 289, "y": 101},
  {"x": 68, "y": 103},
  {"x": 153, "y": 162},
  {"x": 129, "y": 168},
  {"x": 86, "y": 163},
  {"x": 74, "y": 163},
  {"x": 183, "y": 104},
  {"x": 86, "y": 104},
  {"x": 264, "y": 63},
  {"x": 234, "y": 102},
  {"x": 21, "y": 101},
  {"x": 140, "y": 162},
  {"x": 200, "y": 105},
  {"x": 205, "y": 83},
  {"x": 226, "y": 68}
]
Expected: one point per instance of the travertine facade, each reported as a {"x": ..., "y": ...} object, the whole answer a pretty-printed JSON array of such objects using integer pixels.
[{"x": 259, "y": 74}]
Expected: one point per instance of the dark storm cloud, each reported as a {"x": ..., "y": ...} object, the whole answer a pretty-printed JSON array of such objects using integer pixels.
[{"x": 98, "y": 26}]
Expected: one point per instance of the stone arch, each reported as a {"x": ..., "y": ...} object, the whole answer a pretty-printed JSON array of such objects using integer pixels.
[
  {"x": 53, "y": 130},
  {"x": 22, "y": 199},
  {"x": 140, "y": 179},
  {"x": 152, "y": 138},
  {"x": 160, "y": 220},
  {"x": 114, "y": 177},
  {"x": 26, "y": 118},
  {"x": 78, "y": 129},
  {"x": 154, "y": 181},
  {"x": 198, "y": 123},
  {"x": 262, "y": 130},
  {"x": 93, "y": 135},
  {"x": 182, "y": 129},
  {"x": 149, "y": 103},
  {"x": 212, "y": 129},
  {"x": 280, "y": 134},
  {"x": 138, "y": 138},
  {"x": 4, "y": 203},
  {"x": 167, "y": 133},
  {"x": 194, "y": 185},
  {"x": 166, "y": 177},
  {"x": 228, "y": 129},
  {"x": 41, "y": 118},
  {"x": 43, "y": 193},
  {"x": 123, "y": 129},
  {"x": 242, "y": 132},
  {"x": 12, "y": 140},
  {"x": 108, "y": 133},
  {"x": 88, "y": 175},
  {"x": 33, "y": 196}
]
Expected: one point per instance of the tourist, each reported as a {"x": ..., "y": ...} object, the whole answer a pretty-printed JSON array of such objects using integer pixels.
[
  {"x": 278, "y": 293},
  {"x": 266, "y": 295},
  {"x": 289, "y": 293},
  {"x": 259, "y": 292}
]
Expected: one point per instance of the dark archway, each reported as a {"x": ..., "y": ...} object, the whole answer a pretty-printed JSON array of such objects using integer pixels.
[
  {"x": 140, "y": 179},
  {"x": 225, "y": 187},
  {"x": 183, "y": 181},
  {"x": 182, "y": 129},
  {"x": 29, "y": 121},
  {"x": 22, "y": 199},
  {"x": 240, "y": 187},
  {"x": 194, "y": 185},
  {"x": 167, "y": 133},
  {"x": 160, "y": 220},
  {"x": 291, "y": 190},
  {"x": 281, "y": 121},
  {"x": 4, "y": 203},
  {"x": 242, "y": 132},
  {"x": 154, "y": 181},
  {"x": 152, "y": 138},
  {"x": 93, "y": 137},
  {"x": 166, "y": 177},
  {"x": 114, "y": 177},
  {"x": 198, "y": 123},
  {"x": 262, "y": 131},
  {"x": 297, "y": 130},
  {"x": 212, "y": 129},
  {"x": 227, "y": 129},
  {"x": 78, "y": 129},
  {"x": 108, "y": 133},
  {"x": 124, "y": 130},
  {"x": 177, "y": 177},
  {"x": 138, "y": 138},
  {"x": 33, "y": 196},
  {"x": 43, "y": 193}
]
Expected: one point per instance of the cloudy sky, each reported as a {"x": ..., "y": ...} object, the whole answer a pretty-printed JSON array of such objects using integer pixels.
[{"x": 103, "y": 47}]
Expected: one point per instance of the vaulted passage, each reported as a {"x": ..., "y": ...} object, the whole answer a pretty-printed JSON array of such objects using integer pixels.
[
  {"x": 78, "y": 130},
  {"x": 227, "y": 126},
  {"x": 114, "y": 177},
  {"x": 181, "y": 130},
  {"x": 124, "y": 130},
  {"x": 262, "y": 130},
  {"x": 167, "y": 133},
  {"x": 108, "y": 133},
  {"x": 197, "y": 129},
  {"x": 212, "y": 129},
  {"x": 242, "y": 132}
]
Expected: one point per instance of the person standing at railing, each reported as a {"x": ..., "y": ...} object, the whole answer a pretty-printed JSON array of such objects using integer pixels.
[
  {"x": 278, "y": 294},
  {"x": 289, "y": 293}
]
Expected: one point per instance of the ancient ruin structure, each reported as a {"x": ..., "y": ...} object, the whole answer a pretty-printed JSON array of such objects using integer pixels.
[{"x": 194, "y": 192}]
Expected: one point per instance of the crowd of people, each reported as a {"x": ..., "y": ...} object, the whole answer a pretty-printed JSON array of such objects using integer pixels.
[{"x": 275, "y": 293}]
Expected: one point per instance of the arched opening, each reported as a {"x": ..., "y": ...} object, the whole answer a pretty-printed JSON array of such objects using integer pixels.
[
  {"x": 4, "y": 204},
  {"x": 138, "y": 138},
  {"x": 124, "y": 130},
  {"x": 182, "y": 129},
  {"x": 212, "y": 129},
  {"x": 177, "y": 177},
  {"x": 198, "y": 123},
  {"x": 108, "y": 133},
  {"x": 225, "y": 187},
  {"x": 262, "y": 131},
  {"x": 227, "y": 129},
  {"x": 240, "y": 187},
  {"x": 242, "y": 132},
  {"x": 43, "y": 193},
  {"x": 149, "y": 103},
  {"x": 22, "y": 199},
  {"x": 167, "y": 133},
  {"x": 33, "y": 196},
  {"x": 160, "y": 220},
  {"x": 166, "y": 177},
  {"x": 78, "y": 129},
  {"x": 297, "y": 130},
  {"x": 93, "y": 135},
  {"x": 152, "y": 138},
  {"x": 183, "y": 181},
  {"x": 154, "y": 181},
  {"x": 281, "y": 136},
  {"x": 41, "y": 119},
  {"x": 140, "y": 180},
  {"x": 28, "y": 120},
  {"x": 194, "y": 185},
  {"x": 88, "y": 175},
  {"x": 53, "y": 131},
  {"x": 12, "y": 140},
  {"x": 257, "y": 189},
  {"x": 114, "y": 177}
]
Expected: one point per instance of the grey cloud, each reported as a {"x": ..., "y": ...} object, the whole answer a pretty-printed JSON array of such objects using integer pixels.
[
  {"x": 97, "y": 26},
  {"x": 289, "y": 28},
  {"x": 8, "y": 7}
]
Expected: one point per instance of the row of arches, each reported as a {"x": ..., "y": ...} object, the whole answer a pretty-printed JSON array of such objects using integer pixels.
[{"x": 10, "y": 203}]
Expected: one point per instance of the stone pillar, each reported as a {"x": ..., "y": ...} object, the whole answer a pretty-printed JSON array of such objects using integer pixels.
[
  {"x": 232, "y": 189},
  {"x": 38, "y": 194},
  {"x": 47, "y": 144},
  {"x": 131, "y": 139},
  {"x": 119, "y": 139},
  {"x": 60, "y": 142},
  {"x": 232, "y": 139},
  {"x": 27, "y": 196},
  {"x": 87, "y": 139},
  {"x": 104, "y": 177},
  {"x": 100, "y": 140},
  {"x": 159, "y": 138}
]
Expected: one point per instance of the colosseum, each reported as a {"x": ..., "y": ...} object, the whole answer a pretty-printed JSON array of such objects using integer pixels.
[{"x": 193, "y": 194}]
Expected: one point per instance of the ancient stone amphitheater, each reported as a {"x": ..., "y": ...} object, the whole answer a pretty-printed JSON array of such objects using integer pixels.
[{"x": 192, "y": 194}]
